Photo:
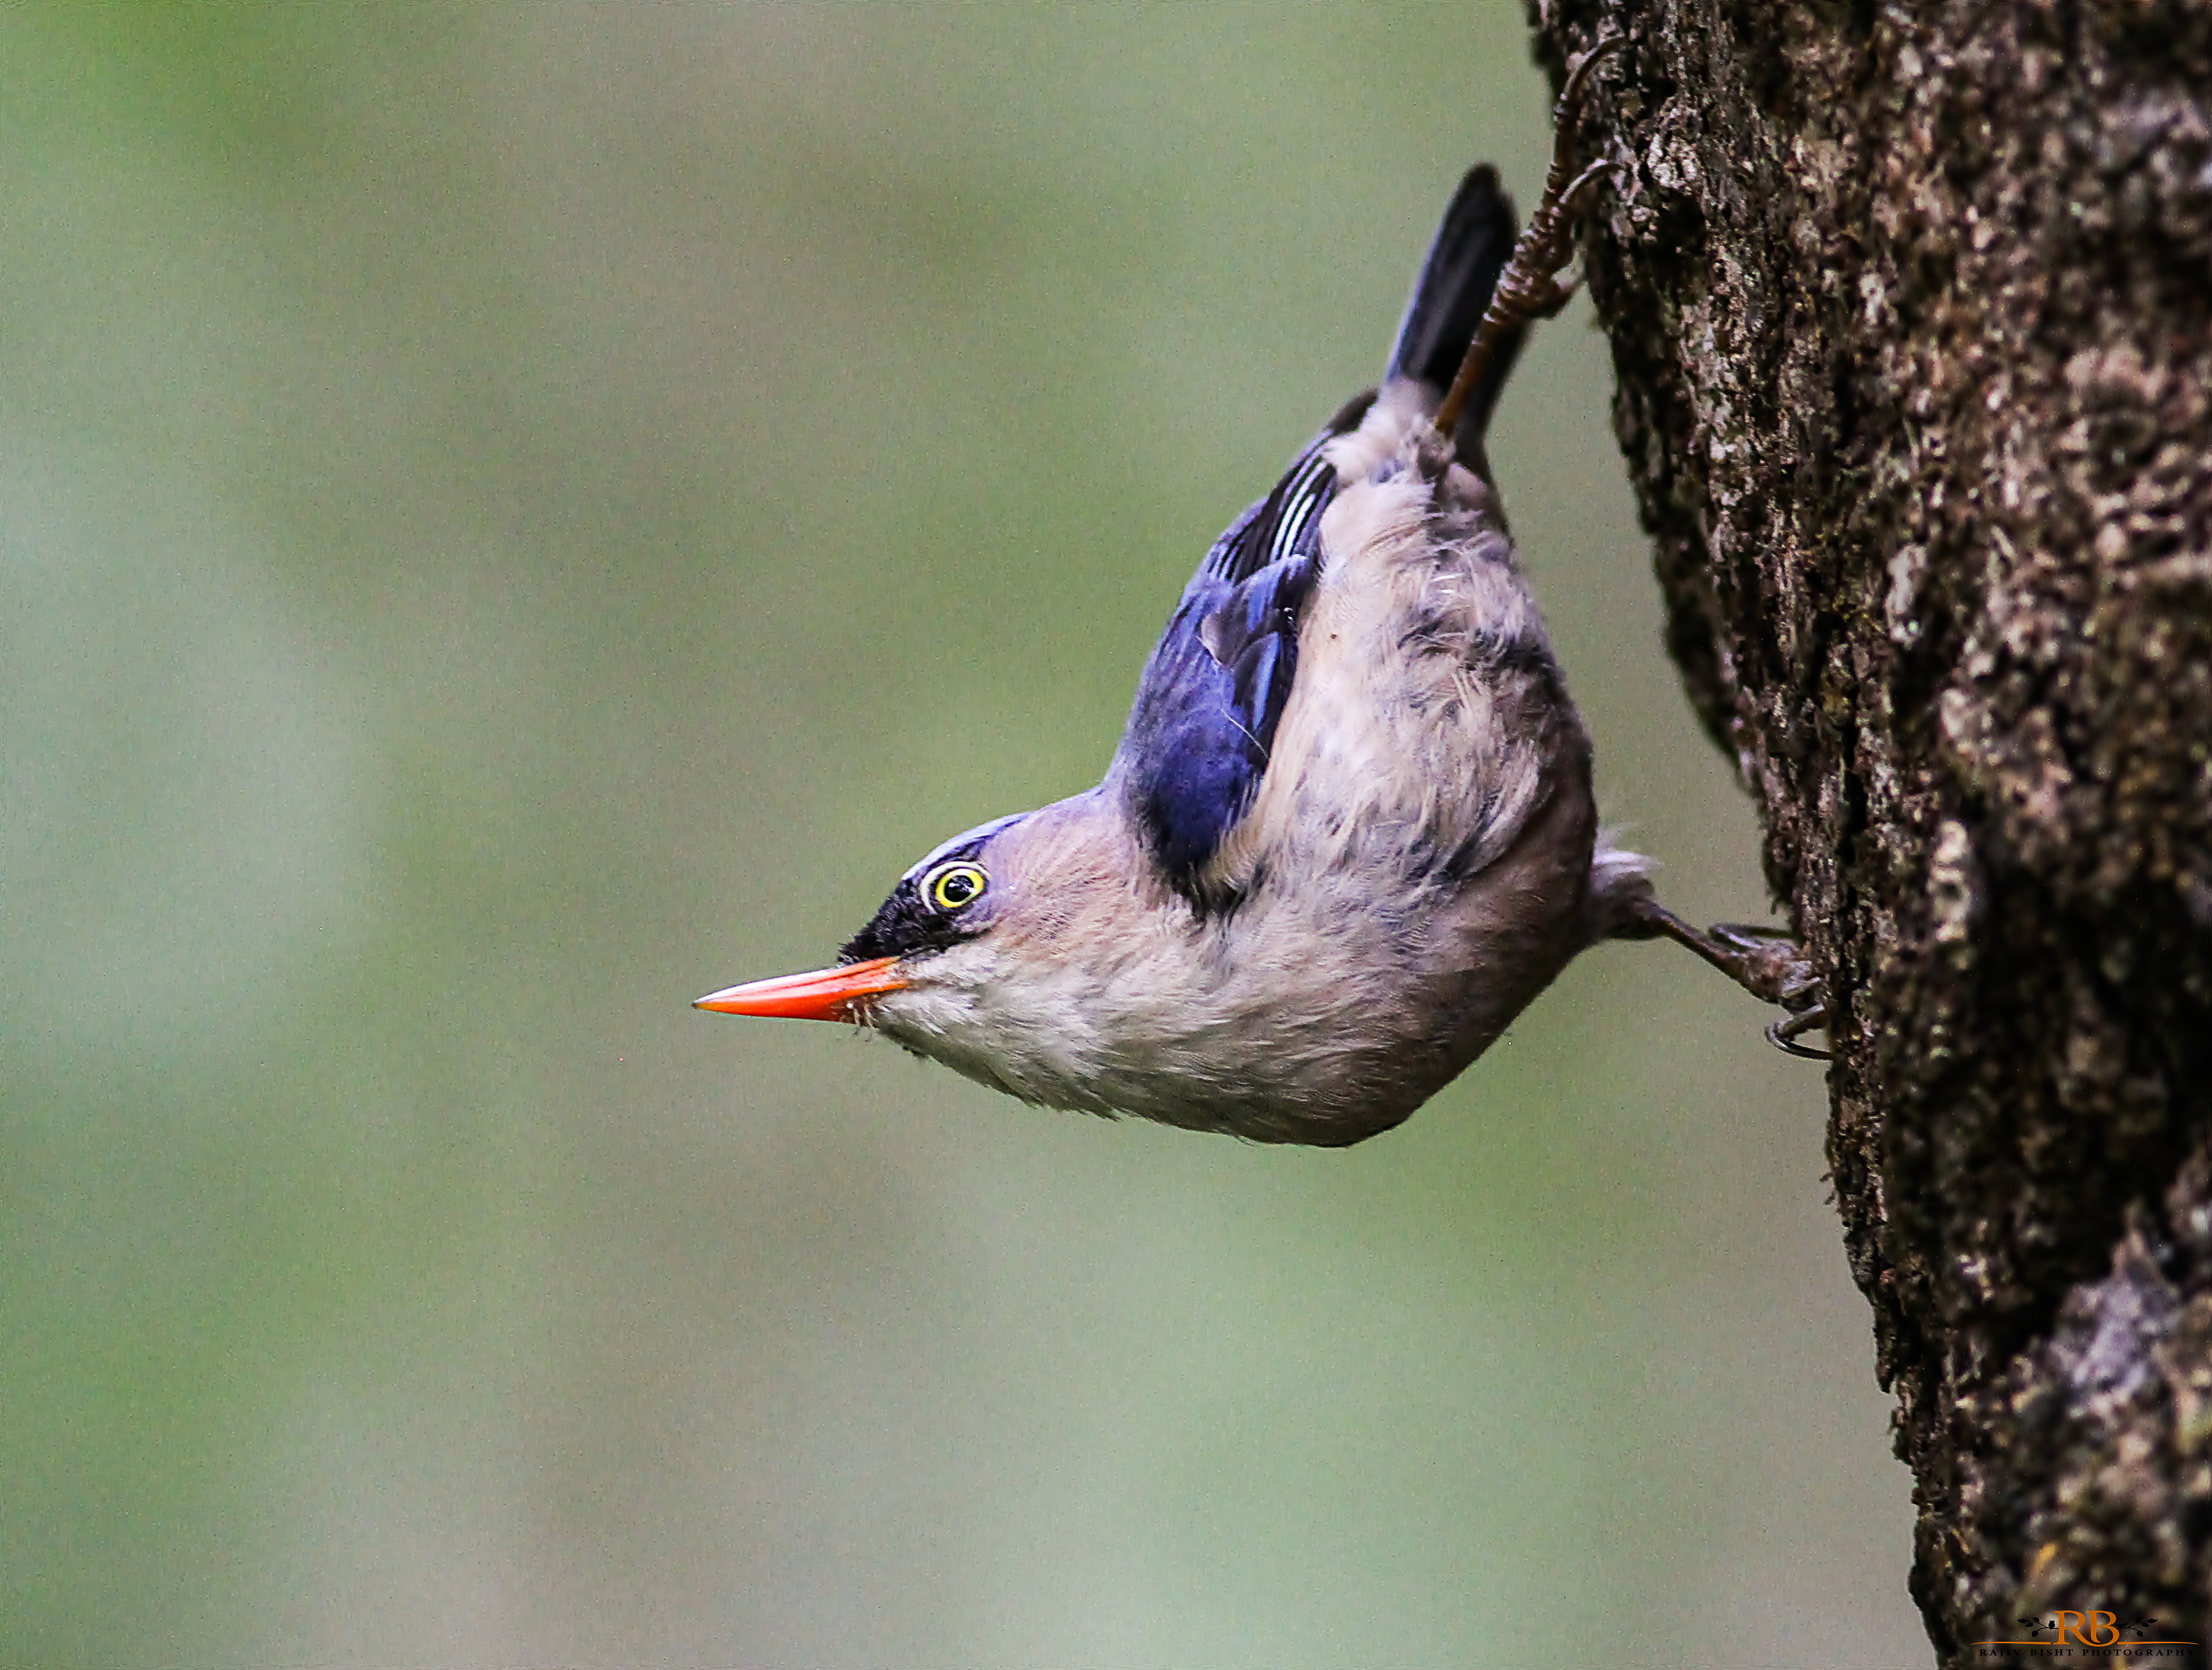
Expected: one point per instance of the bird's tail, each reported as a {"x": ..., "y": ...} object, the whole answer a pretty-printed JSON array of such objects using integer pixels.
[{"x": 1470, "y": 250}]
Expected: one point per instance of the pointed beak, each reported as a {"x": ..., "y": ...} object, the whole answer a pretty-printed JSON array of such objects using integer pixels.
[{"x": 826, "y": 994}]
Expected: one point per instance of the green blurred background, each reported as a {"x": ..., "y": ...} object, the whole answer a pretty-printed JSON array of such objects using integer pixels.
[{"x": 512, "y": 516}]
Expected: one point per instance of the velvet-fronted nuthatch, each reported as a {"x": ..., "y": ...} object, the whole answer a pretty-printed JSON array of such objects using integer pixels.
[{"x": 1349, "y": 833}]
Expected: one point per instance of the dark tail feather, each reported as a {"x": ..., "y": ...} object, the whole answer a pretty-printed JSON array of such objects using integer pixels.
[{"x": 1471, "y": 249}]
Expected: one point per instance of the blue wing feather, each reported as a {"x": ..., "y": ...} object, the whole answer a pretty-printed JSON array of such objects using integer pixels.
[{"x": 1214, "y": 691}]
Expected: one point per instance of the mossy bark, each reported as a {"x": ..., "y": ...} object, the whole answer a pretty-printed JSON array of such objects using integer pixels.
[{"x": 1912, "y": 308}]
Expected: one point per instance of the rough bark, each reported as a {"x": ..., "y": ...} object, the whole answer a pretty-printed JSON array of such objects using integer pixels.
[{"x": 1912, "y": 308}]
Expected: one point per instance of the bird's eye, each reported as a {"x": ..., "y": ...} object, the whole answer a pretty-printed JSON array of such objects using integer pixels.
[{"x": 956, "y": 885}]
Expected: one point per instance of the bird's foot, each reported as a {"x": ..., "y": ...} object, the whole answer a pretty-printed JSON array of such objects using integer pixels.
[
  {"x": 1766, "y": 962},
  {"x": 1530, "y": 289},
  {"x": 1773, "y": 967}
]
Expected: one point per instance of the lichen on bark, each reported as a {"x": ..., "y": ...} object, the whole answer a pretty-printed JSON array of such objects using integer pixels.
[{"x": 1911, "y": 310}]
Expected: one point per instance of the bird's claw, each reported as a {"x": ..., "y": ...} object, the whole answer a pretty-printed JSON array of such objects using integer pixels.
[
  {"x": 1764, "y": 961},
  {"x": 1770, "y": 965},
  {"x": 1548, "y": 242},
  {"x": 1545, "y": 247},
  {"x": 1784, "y": 1034},
  {"x": 1528, "y": 289},
  {"x": 1577, "y": 78}
]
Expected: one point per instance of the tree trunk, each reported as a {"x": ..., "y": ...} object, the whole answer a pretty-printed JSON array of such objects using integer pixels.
[{"x": 1912, "y": 308}]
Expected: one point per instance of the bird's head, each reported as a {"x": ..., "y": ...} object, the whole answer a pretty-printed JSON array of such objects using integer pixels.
[
  {"x": 947, "y": 901},
  {"x": 990, "y": 955}
]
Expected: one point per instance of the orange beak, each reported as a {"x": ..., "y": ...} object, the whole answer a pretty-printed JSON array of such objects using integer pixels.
[{"x": 826, "y": 994}]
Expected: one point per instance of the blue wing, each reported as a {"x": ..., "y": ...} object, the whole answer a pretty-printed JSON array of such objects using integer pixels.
[
  {"x": 1213, "y": 691},
  {"x": 1211, "y": 695}
]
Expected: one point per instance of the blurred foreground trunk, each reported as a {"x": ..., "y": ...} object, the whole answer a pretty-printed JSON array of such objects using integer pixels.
[{"x": 1912, "y": 308}]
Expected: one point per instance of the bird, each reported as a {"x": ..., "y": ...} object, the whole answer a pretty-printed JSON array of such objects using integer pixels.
[{"x": 1349, "y": 833}]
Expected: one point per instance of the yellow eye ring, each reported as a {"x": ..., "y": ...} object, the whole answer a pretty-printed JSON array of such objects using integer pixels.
[{"x": 957, "y": 885}]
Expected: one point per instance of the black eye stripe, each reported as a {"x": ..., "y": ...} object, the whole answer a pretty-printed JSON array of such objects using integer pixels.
[{"x": 914, "y": 921}]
